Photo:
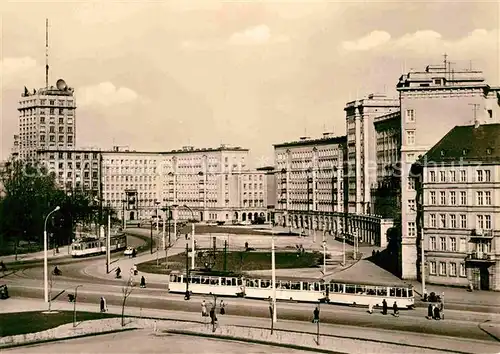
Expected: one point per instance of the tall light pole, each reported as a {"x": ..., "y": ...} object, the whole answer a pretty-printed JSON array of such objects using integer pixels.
[
  {"x": 124, "y": 201},
  {"x": 422, "y": 261},
  {"x": 343, "y": 246},
  {"x": 192, "y": 236},
  {"x": 324, "y": 253},
  {"x": 174, "y": 216},
  {"x": 163, "y": 228},
  {"x": 273, "y": 265},
  {"x": 74, "y": 305},
  {"x": 108, "y": 241},
  {"x": 157, "y": 217},
  {"x": 45, "y": 262}
]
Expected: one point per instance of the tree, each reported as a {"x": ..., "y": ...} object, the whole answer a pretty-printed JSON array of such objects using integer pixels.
[{"x": 127, "y": 289}]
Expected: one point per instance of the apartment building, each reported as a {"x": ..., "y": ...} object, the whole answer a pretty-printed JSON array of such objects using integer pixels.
[
  {"x": 361, "y": 148},
  {"x": 46, "y": 120},
  {"x": 431, "y": 103},
  {"x": 459, "y": 214}
]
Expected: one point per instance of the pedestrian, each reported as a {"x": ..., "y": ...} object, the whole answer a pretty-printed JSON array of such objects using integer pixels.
[
  {"x": 430, "y": 312},
  {"x": 395, "y": 309},
  {"x": 384, "y": 307},
  {"x": 441, "y": 309},
  {"x": 134, "y": 253},
  {"x": 135, "y": 269},
  {"x": 437, "y": 316},
  {"x": 204, "y": 309},
  {"x": 213, "y": 318},
  {"x": 370, "y": 307},
  {"x": 143, "y": 282},
  {"x": 222, "y": 308},
  {"x": 316, "y": 315},
  {"x": 103, "y": 304}
]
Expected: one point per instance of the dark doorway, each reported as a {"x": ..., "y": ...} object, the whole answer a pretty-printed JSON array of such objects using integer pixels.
[
  {"x": 201, "y": 216},
  {"x": 485, "y": 279},
  {"x": 132, "y": 215}
]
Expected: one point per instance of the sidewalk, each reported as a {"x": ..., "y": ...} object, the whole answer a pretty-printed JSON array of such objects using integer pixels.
[
  {"x": 63, "y": 252},
  {"x": 332, "y": 337}
]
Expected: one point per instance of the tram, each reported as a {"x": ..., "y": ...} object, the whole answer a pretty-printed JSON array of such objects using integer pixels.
[
  {"x": 308, "y": 290},
  {"x": 88, "y": 246}
]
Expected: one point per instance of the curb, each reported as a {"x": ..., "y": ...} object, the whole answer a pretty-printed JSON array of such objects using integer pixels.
[
  {"x": 251, "y": 341},
  {"x": 50, "y": 340}
]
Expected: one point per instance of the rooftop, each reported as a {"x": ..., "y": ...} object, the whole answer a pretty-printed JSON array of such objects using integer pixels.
[
  {"x": 467, "y": 143},
  {"x": 327, "y": 138}
]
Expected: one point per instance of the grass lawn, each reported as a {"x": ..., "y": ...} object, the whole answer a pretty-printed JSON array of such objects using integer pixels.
[
  {"x": 12, "y": 324},
  {"x": 236, "y": 261}
]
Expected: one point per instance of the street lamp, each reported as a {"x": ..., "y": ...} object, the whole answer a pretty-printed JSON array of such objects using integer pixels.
[
  {"x": 192, "y": 235},
  {"x": 45, "y": 265},
  {"x": 124, "y": 201},
  {"x": 273, "y": 266},
  {"x": 108, "y": 240},
  {"x": 74, "y": 305}
]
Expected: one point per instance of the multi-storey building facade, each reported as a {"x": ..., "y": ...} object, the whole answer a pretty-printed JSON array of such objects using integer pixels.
[
  {"x": 74, "y": 168},
  {"x": 460, "y": 213},
  {"x": 432, "y": 102},
  {"x": 46, "y": 120},
  {"x": 212, "y": 184},
  {"x": 270, "y": 184},
  {"x": 361, "y": 148}
]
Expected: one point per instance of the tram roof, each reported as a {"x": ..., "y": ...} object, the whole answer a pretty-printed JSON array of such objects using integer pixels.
[{"x": 86, "y": 239}]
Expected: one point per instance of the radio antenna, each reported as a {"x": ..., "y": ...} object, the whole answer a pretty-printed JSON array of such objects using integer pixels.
[{"x": 47, "y": 53}]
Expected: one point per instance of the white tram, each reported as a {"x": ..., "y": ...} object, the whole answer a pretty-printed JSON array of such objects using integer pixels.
[
  {"x": 92, "y": 246},
  {"x": 313, "y": 290}
]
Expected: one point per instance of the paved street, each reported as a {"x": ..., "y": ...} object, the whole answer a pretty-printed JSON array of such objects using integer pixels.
[{"x": 145, "y": 342}]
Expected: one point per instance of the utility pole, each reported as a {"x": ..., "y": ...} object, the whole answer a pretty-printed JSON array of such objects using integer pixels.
[
  {"x": 324, "y": 254},
  {"x": 422, "y": 261},
  {"x": 151, "y": 236},
  {"x": 186, "y": 297},
  {"x": 343, "y": 246},
  {"x": 273, "y": 265},
  {"x": 108, "y": 242},
  {"x": 225, "y": 255},
  {"x": 74, "y": 305}
]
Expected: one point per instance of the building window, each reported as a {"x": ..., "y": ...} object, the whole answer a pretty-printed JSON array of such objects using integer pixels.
[
  {"x": 442, "y": 176},
  {"x": 463, "y": 176},
  {"x": 453, "y": 269},
  {"x": 453, "y": 221},
  {"x": 462, "y": 270},
  {"x": 453, "y": 176},
  {"x": 442, "y": 198},
  {"x": 42, "y": 120},
  {"x": 480, "y": 222},
  {"x": 432, "y": 243},
  {"x": 463, "y": 221},
  {"x": 410, "y": 115},
  {"x": 432, "y": 220},
  {"x": 442, "y": 243},
  {"x": 479, "y": 176},
  {"x": 487, "y": 222},
  {"x": 432, "y": 267},
  {"x": 479, "y": 198},
  {"x": 442, "y": 268},
  {"x": 487, "y": 175},
  {"x": 411, "y": 183},
  {"x": 487, "y": 198},
  {"x": 433, "y": 198},
  {"x": 453, "y": 244},
  {"x": 411, "y": 205},
  {"x": 442, "y": 220},
  {"x": 432, "y": 176},
  {"x": 61, "y": 120},
  {"x": 463, "y": 198},
  {"x": 410, "y": 137},
  {"x": 453, "y": 198},
  {"x": 412, "y": 231}
]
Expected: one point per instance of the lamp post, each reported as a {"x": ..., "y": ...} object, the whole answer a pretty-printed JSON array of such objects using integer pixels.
[
  {"x": 273, "y": 265},
  {"x": 123, "y": 213},
  {"x": 174, "y": 216},
  {"x": 108, "y": 240},
  {"x": 422, "y": 261},
  {"x": 74, "y": 305},
  {"x": 324, "y": 253},
  {"x": 45, "y": 263},
  {"x": 192, "y": 236}
]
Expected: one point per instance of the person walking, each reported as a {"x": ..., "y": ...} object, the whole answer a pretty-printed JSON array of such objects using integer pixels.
[
  {"x": 370, "y": 307},
  {"x": 441, "y": 308},
  {"x": 316, "y": 315},
  {"x": 143, "y": 282},
  {"x": 437, "y": 316},
  {"x": 222, "y": 308},
  {"x": 103, "y": 304},
  {"x": 430, "y": 312},
  {"x": 395, "y": 309},
  {"x": 204, "y": 309},
  {"x": 384, "y": 307}
]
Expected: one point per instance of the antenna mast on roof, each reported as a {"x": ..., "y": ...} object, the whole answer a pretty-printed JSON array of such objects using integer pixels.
[
  {"x": 475, "y": 107},
  {"x": 47, "y": 53}
]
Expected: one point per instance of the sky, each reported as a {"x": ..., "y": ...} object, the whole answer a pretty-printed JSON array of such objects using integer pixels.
[{"x": 159, "y": 75}]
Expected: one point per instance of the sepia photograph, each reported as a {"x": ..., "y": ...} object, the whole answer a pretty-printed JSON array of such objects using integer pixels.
[{"x": 257, "y": 176}]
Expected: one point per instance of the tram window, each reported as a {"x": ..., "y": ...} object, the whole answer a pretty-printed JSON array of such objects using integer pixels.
[
  {"x": 205, "y": 280},
  {"x": 234, "y": 282},
  {"x": 173, "y": 278},
  {"x": 222, "y": 281},
  {"x": 337, "y": 288},
  {"x": 316, "y": 286},
  {"x": 196, "y": 280},
  {"x": 266, "y": 284},
  {"x": 399, "y": 292},
  {"x": 392, "y": 292},
  {"x": 305, "y": 285},
  {"x": 370, "y": 290},
  {"x": 249, "y": 283},
  {"x": 360, "y": 289},
  {"x": 410, "y": 292},
  {"x": 405, "y": 292},
  {"x": 382, "y": 291},
  {"x": 322, "y": 287},
  {"x": 184, "y": 279},
  {"x": 295, "y": 286},
  {"x": 350, "y": 289},
  {"x": 287, "y": 285},
  {"x": 214, "y": 281}
]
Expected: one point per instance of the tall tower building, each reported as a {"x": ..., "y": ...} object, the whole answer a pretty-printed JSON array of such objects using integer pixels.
[
  {"x": 46, "y": 120},
  {"x": 433, "y": 101}
]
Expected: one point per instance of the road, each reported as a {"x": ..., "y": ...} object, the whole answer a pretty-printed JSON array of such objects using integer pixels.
[
  {"x": 28, "y": 283},
  {"x": 128, "y": 342}
]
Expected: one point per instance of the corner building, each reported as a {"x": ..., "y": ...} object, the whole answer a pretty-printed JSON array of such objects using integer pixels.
[{"x": 460, "y": 208}]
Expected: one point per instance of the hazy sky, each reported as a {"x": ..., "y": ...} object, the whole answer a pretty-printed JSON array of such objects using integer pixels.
[{"x": 157, "y": 75}]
